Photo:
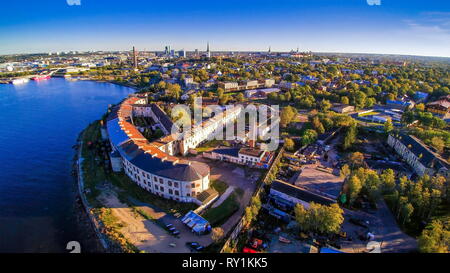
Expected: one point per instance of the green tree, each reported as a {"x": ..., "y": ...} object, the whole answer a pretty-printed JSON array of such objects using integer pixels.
[
  {"x": 435, "y": 238},
  {"x": 289, "y": 144},
  {"x": 331, "y": 218},
  {"x": 354, "y": 188},
  {"x": 407, "y": 211},
  {"x": 388, "y": 126},
  {"x": 387, "y": 178},
  {"x": 217, "y": 234},
  {"x": 350, "y": 137},
  {"x": 302, "y": 217},
  {"x": 438, "y": 144},
  {"x": 356, "y": 159},
  {"x": 248, "y": 215},
  {"x": 345, "y": 171},
  {"x": 420, "y": 107},
  {"x": 240, "y": 97},
  {"x": 309, "y": 137},
  {"x": 287, "y": 115},
  {"x": 319, "y": 218},
  {"x": 325, "y": 105},
  {"x": 317, "y": 125},
  {"x": 345, "y": 100}
]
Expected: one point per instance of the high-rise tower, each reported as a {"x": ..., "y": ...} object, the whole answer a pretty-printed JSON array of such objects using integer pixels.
[
  {"x": 134, "y": 58},
  {"x": 208, "y": 53}
]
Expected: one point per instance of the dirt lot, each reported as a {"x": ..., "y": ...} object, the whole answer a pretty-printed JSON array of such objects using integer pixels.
[
  {"x": 319, "y": 181},
  {"x": 146, "y": 234}
]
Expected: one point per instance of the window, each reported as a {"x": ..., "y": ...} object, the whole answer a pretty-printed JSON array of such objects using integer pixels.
[
  {"x": 188, "y": 195},
  {"x": 170, "y": 191},
  {"x": 155, "y": 179},
  {"x": 156, "y": 187},
  {"x": 177, "y": 193},
  {"x": 193, "y": 185},
  {"x": 169, "y": 183},
  {"x": 161, "y": 181},
  {"x": 161, "y": 189},
  {"x": 175, "y": 184}
]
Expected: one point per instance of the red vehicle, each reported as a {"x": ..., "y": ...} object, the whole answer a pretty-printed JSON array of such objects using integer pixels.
[{"x": 249, "y": 250}]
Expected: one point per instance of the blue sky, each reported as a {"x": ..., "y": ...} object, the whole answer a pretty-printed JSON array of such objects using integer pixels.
[{"x": 396, "y": 26}]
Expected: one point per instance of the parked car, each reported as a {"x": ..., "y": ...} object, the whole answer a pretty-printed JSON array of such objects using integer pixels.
[
  {"x": 359, "y": 222},
  {"x": 175, "y": 232},
  {"x": 169, "y": 225},
  {"x": 194, "y": 246}
]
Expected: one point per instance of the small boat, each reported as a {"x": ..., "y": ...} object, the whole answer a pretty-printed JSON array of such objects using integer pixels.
[
  {"x": 41, "y": 77},
  {"x": 284, "y": 240},
  {"x": 20, "y": 80}
]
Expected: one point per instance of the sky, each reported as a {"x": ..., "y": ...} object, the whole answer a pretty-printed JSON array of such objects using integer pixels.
[{"x": 349, "y": 26}]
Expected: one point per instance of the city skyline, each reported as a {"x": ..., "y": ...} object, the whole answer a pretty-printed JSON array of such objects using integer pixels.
[{"x": 404, "y": 27}]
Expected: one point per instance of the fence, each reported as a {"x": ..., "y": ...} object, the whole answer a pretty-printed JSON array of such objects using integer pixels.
[{"x": 240, "y": 225}]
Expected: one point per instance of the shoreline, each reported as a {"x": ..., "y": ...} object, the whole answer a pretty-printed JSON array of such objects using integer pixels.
[
  {"x": 102, "y": 243},
  {"x": 82, "y": 203},
  {"x": 136, "y": 89}
]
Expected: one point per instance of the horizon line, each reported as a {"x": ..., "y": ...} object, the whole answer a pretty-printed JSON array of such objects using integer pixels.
[{"x": 238, "y": 51}]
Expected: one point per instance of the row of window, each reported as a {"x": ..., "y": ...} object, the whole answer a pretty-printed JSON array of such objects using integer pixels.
[
  {"x": 246, "y": 158},
  {"x": 134, "y": 172}
]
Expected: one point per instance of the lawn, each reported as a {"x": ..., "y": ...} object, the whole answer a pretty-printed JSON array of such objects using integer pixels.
[
  {"x": 368, "y": 114},
  {"x": 210, "y": 145},
  {"x": 219, "y": 215},
  {"x": 219, "y": 186}
]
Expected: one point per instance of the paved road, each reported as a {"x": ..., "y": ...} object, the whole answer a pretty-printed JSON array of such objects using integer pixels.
[
  {"x": 384, "y": 226},
  {"x": 389, "y": 234}
]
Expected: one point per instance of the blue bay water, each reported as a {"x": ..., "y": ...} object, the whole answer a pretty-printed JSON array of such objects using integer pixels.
[{"x": 39, "y": 124}]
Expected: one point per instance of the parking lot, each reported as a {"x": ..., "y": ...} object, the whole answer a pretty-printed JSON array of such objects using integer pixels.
[
  {"x": 150, "y": 235},
  {"x": 382, "y": 224}
]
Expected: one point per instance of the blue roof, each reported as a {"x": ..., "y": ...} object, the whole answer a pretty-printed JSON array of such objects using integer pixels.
[
  {"x": 398, "y": 102},
  {"x": 197, "y": 222},
  {"x": 228, "y": 151},
  {"x": 116, "y": 134},
  {"x": 329, "y": 250},
  {"x": 421, "y": 95}
]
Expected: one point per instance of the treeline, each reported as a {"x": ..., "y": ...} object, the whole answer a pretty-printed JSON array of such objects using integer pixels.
[
  {"x": 319, "y": 218},
  {"x": 416, "y": 202},
  {"x": 425, "y": 119},
  {"x": 363, "y": 182}
]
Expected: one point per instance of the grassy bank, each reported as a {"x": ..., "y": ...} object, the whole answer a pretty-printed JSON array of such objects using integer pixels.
[{"x": 219, "y": 215}]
